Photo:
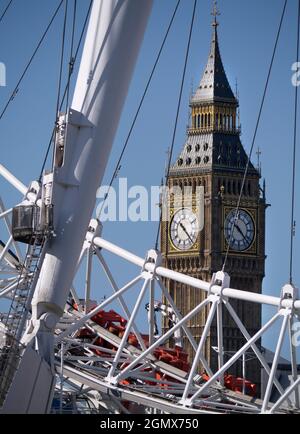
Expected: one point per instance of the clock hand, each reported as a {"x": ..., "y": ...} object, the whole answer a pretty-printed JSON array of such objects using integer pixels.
[
  {"x": 240, "y": 231},
  {"x": 184, "y": 228}
]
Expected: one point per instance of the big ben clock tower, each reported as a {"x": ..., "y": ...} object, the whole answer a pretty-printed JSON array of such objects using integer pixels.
[{"x": 213, "y": 157}]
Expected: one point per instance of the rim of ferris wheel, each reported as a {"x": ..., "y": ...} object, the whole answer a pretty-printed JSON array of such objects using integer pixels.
[{"x": 197, "y": 283}]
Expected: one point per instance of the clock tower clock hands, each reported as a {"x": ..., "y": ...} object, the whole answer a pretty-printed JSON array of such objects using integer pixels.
[
  {"x": 240, "y": 230},
  {"x": 185, "y": 230}
]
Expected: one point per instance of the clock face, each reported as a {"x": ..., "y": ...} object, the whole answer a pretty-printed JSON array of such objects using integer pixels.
[
  {"x": 239, "y": 230},
  {"x": 184, "y": 229}
]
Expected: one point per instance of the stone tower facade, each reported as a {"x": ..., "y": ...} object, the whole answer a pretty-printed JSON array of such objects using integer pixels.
[{"x": 213, "y": 157}]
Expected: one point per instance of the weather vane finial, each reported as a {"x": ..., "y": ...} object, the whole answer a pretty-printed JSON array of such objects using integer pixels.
[{"x": 215, "y": 13}]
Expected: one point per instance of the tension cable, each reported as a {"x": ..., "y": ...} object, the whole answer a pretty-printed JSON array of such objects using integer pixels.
[{"x": 254, "y": 137}]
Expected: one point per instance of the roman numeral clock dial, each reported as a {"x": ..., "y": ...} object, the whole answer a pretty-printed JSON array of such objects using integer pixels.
[
  {"x": 239, "y": 230},
  {"x": 184, "y": 229}
]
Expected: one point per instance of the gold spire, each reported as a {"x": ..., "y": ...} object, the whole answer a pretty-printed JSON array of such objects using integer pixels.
[{"x": 215, "y": 13}]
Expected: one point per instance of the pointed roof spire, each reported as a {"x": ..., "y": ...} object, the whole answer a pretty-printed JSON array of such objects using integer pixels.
[
  {"x": 214, "y": 85},
  {"x": 215, "y": 13}
]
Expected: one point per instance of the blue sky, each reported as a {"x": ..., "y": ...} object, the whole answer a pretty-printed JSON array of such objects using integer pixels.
[{"x": 247, "y": 34}]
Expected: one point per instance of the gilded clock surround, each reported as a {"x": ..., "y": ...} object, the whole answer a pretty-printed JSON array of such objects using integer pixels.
[{"x": 172, "y": 248}]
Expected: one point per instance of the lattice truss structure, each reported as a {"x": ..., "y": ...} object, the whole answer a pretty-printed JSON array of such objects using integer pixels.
[
  {"x": 98, "y": 359},
  {"x": 103, "y": 358}
]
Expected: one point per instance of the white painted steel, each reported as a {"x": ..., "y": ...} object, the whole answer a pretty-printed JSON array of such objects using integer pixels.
[
  {"x": 94, "y": 311},
  {"x": 196, "y": 283},
  {"x": 114, "y": 36},
  {"x": 107, "y": 64},
  {"x": 196, "y": 360},
  {"x": 254, "y": 347},
  {"x": 233, "y": 359},
  {"x": 275, "y": 360},
  {"x": 15, "y": 182},
  {"x": 120, "y": 298}
]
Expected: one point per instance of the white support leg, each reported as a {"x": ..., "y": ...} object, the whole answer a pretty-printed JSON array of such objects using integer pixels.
[
  {"x": 285, "y": 395},
  {"x": 244, "y": 373},
  {"x": 253, "y": 346},
  {"x": 110, "y": 377},
  {"x": 88, "y": 274},
  {"x": 81, "y": 322},
  {"x": 6, "y": 248},
  {"x": 81, "y": 257},
  {"x": 162, "y": 339},
  {"x": 184, "y": 326},
  {"x": 13, "y": 180},
  {"x": 120, "y": 298},
  {"x": 151, "y": 312},
  {"x": 199, "y": 350},
  {"x": 61, "y": 377},
  {"x": 8, "y": 226},
  {"x": 220, "y": 280},
  {"x": 233, "y": 359},
  {"x": 76, "y": 298},
  {"x": 286, "y": 314},
  {"x": 5, "y": 213},
  {"x": 220, "y": 339},
  {"x": 5, "y": 291},
  {"x": 293, "y": 361}
]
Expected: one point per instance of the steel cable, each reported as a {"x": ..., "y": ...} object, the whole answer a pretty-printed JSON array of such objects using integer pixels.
[
  {"x": 5, "y": 10},
  {"x": 117, "y": 168},
  {"x": 293, "y": 224},
  {"x": 254, "y": 136},
  {"x": 16, "y": 89},
  {"x": 177, "y": 114}
]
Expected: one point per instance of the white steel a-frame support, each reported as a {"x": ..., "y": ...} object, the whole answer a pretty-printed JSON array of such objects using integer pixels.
[{"x": 136, "y": 365}]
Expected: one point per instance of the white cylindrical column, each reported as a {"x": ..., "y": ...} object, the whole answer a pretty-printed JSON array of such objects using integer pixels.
[{"x": 114, "y": 36}]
